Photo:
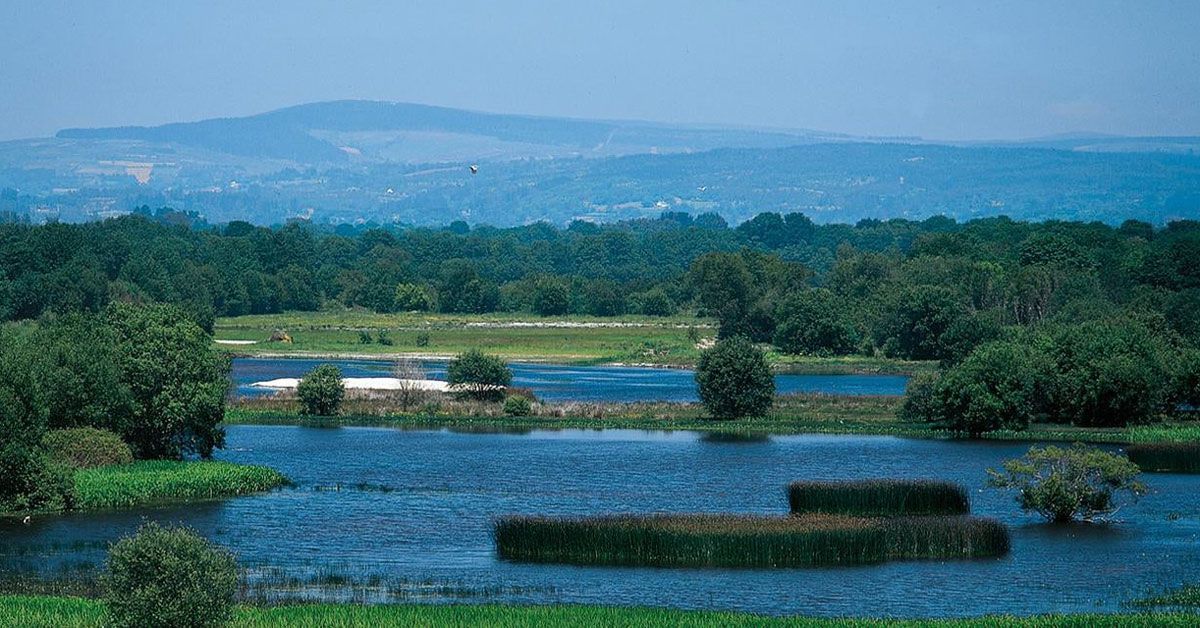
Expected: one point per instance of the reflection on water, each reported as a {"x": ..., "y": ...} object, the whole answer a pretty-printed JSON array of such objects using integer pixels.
[
  {"x": 443, "y": 490},
  {"x": 557, "y": 382}
]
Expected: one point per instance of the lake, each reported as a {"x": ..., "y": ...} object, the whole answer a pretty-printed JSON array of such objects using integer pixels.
[
  {"x": 559, "y": 382},
  {"x": 422, "y": 521}
]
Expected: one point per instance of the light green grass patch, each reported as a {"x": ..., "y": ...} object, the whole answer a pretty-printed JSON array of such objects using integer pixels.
[{"x": 165, "y": 481}]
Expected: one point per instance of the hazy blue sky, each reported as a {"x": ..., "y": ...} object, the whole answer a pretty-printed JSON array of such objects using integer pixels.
[{"x": 952, "y": 69}]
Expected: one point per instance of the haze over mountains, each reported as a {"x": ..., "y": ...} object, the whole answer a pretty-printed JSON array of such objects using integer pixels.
[{"x": 366, "y": 161}]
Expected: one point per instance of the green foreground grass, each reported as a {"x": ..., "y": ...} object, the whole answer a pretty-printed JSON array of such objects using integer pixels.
[
  {"x": 60, "y": 612},
  {"x": 660, "y": 341},
  {"x": 167, "y": 481}
]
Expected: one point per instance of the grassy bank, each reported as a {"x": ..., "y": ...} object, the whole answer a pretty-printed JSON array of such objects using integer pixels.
[
  {"x": 879, "y": 498},
  {"x": 792, "y": 414},
  {"x": 659, "y": 341},
  {"x": 55, "y": 612},
  {"x": 165, "y": 481},
  {"x": 712, "y": 540}
]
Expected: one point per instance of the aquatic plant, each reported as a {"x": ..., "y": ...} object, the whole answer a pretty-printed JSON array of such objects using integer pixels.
[
  {"x": 1166, "y": 457},
  {"x": 726, "y": 540},
  {"x": 161, "y": 481},
  {"x": 883, "y": 498},
  {"x": 1063, "y": 484}
]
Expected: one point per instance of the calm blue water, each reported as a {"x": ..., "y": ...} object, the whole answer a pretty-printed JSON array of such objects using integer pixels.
[
  {"x": 557, "y": 382},
  {"x": 434, "y": 526}
]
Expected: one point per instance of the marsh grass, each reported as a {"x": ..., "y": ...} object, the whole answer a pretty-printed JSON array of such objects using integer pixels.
[
  {"x": 1166, "y": 433},
  {"x": 69, "y": 612},
  {"x": 879, "y": 498},
  {"x": 1187, "y": 596},
  {"x": 164, "y": 481},
  {"x": 722, "y": 540},
  {"x": 1166, "y": 457}
]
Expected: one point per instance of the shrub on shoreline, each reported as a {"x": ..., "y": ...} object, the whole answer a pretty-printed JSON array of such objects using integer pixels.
[
  {"x": 880, "y": 498},
  {"x": 87, "y": 447},
  {"x": 724, "y": 540},
  {"x": 734, "y": 380},
  {"x": 321, "y": 391}
]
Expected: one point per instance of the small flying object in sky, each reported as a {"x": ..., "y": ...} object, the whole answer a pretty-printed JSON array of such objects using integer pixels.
[{"x": 474, "y": 169}]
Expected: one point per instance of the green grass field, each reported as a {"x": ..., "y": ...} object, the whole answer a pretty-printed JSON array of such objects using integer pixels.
[
  {"x": 663, "y": 341},
  {"x": 66, "y": 612},
  {"x": 166, "y": 481}
]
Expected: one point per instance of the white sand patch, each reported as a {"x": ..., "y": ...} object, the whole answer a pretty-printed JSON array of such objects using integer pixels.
[
  {"x": 370, "y": 383},
  {"x": 236, "y": 342}
]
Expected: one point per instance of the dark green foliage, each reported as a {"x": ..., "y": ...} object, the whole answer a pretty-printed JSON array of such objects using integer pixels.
[
  {"x": 411, "y": 298},
  {"x": 86, "y": 447},
  {"x": 719, "y": 540},
  {"x": 879, "y": 498},
  {"x": 654, "y": 302},
  {"x": 321, "y": 391},
  {"x": 1063, "y": 484},
  {"x": 551, "y": 297},
  {"x": 915, "y": 321},
  {"x": 1166, "y": 457},
  {"x": 999, "y": 386},
  {"x": 1109, "y": 373},
  {"x": 176, "y": 378},
  {"x": 815, "y": 322},
  {"x": 479, "y": 374},
  {"x": 605, "y": 298},
  {"x": 31, "y": 481},
  {"x": 517, "y": 405},
  {"x": 169, "y": 578},
  {"x": 461, "y": 289},
  {"x": 734, "y": 380}
]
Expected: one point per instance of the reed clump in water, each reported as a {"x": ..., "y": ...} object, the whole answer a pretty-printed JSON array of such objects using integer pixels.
[
  {"x": 879, "y": 498},
  {"x": 726, "y": 540},
  {"x": 1166, "y": 457}
]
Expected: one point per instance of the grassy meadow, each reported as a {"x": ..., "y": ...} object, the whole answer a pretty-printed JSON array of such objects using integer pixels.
[
  {"x": 68, "y": 612},
  {"x": 659, "y": 341},
  {"x": 166, "y": 481}
]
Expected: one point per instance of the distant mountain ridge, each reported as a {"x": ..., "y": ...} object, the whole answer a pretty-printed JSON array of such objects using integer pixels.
[{"x": 340, "y": 131}]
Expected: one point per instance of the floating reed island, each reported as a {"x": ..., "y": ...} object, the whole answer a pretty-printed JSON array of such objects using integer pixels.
[
  {"x": 728, "y": 540},
  {"x": 1166, "y": 457},
  {"x": 879, "y": 498}
]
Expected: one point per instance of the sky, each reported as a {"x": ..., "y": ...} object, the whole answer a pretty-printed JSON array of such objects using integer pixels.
[{"x": 951, "y": 69}]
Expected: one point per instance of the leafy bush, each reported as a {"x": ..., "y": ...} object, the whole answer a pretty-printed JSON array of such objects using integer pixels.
[
  {"x": 87, "y": 447},
  {"x": 999, "y": 386},
  {"x": 734, "y": 380},
  {"x": 550, "y": 297},
  {"x": 411, "y": 298},
  {"x": 421, "y": 340},
  {"x": 321, "y": 391},
  {"x": 479, "y": 374},
  {"x": 30, "y": 481},
  {"x": 915, "y": 320},
  {"x": 1110, "y": 373},
  {"x": 815, "y": 322},
  {"x": 653, "y": 302},
  {"x": 516, "y": 405},
  {"x": 1065, "y": 484},
  {"x": 169, "y": 577}
]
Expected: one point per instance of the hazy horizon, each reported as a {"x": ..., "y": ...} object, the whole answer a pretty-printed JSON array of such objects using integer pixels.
[{"x": 1008, "y": 70}]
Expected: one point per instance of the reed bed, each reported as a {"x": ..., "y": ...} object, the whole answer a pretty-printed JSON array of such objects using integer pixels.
[
  {"x": 161, "y": 481},
  {"x": 879, "y": 498},
  {"x": 1166, "y": 457},
  {"x": 724, "y": 540}
]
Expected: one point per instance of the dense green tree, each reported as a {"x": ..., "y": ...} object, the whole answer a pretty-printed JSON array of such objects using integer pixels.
[
  {"x": 815, "y": 322},
  {"x": 176, "y": 377},
  {"x": 551, "y": 297},
  {"x": 411, "y": 298},
  {"x": 915, "y": 320},
  {"x": 321, "y": 391},
  {"x": 734, "y": 380},
  {"x": 1001, "y": 385},
  {"x": 479, "y": 374}
]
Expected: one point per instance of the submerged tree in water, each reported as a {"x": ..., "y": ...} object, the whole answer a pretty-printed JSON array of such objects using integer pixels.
[{"x": 1064, "y": 484}]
